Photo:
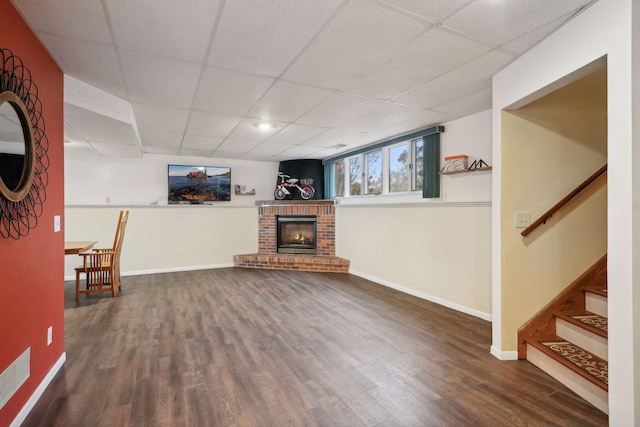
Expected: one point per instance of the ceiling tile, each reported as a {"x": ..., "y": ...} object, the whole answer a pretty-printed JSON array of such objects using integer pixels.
[
  {"x": 525, "y": 42},
  {"x": 211, "y": 124},
  {"x": 227, "y": 155},
  {"x": 155, "y": 138},
  {"x": 159, "y": 81},
  {"x": 266, "y": 150},
  {"x": 416, "y": 64},
  {"x": 229, "y": 92},
  {"x": 285, "y": 102},
  {"x": 162, "y": 150},
  {"x": 337, "y": 109},
  {"x": 194, "y": 153},
  {"x": 334, "y": 137},
  {"x": 201, "y": 143},
  {"x": 296, "y": 152},
  {"x": 361, "y": 35},
  {"x": 263, "y": 37},
  {"x": 232, "y": 145},
  {"x": 434, "y": 10},
  {"x": 172, "y": 29},
  {"x": 386, "y": 114},
  {"x": 422, "y": 120},
  {"x": 247, "y": 130},
  {"x": 112, "y": 150},
  {"x": 79, "y": 19},
  {"x": 468, "y": 105},
  {"x": 465, "y": 80},
  {"x": 295, "y": 134},
  {"x": 93, "y": 63},
  {"x": 160, "y": 119},
  {"x": 498, "y": 22}
]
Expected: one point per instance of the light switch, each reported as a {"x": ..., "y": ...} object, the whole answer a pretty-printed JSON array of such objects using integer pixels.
[
  {"x": 56, "y": 223},
  {"x": 522, "y": 219}
]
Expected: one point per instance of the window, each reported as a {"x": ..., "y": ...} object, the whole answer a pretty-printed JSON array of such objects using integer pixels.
[
  {"x": 355, "y": 176},
  {"x": 417, "y": 160},
  {"x": 339, "y": 178},
  {"x": 373, "y": 161},
  {"x": 398, "y": 169},
  {"x": 406, "y": 164}
]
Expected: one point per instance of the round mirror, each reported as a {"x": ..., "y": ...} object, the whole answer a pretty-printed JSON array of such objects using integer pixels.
[{"x": 16, "y": 148}]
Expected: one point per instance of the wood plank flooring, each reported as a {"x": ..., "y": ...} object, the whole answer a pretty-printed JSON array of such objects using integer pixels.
[{"x": 241, "y": 347}]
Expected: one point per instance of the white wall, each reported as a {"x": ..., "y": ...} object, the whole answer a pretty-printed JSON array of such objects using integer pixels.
[
  {"x": 439, "y": 250},
  {"x": 166, "y": 238},
  {"x": 135, "y": 181},
  {"x": 603, "y": 29}
]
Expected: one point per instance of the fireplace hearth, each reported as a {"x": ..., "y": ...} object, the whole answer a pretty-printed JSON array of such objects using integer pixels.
[{"x": 296, "y": 234}]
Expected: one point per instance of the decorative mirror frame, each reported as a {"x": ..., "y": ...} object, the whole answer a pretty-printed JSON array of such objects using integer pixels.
[{"x": 21, "y": 207}]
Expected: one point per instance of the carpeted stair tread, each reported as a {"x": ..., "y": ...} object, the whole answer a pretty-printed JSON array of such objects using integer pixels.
[
  {"x": 592, "y": 322},
  {"x": 579, "y": 360}
]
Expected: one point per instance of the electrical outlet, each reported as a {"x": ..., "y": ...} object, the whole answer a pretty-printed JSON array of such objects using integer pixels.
[
  {"x": 107, "y": 199},
  {"x": 522, "y": 219},
  {"x": 56, "y": 223},
  {"x": 49, "y": 335}
]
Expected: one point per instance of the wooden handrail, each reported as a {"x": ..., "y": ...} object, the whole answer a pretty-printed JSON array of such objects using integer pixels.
[{"x": 548, "y": 214}]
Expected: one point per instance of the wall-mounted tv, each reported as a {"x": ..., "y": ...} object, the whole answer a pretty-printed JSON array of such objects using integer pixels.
[{"x": 197, "y": 185}]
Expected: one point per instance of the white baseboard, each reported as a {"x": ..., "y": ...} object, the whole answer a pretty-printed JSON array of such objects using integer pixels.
[
  {"x": 422, "y": 295},
  {"x": 165, "y": 270},
  {"x": 504, "y": 355},
  {"x": 22, "y": 415}
]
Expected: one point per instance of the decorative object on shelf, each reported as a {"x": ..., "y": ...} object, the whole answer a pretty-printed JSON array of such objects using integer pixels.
[
  {"x": 455, "y": 163},
  {"x": 198, "y": 185},
  {"x": 241, "y": 190},
  {"x": 304, "y": 189},
  {"x": 479, "y": 165},
  {"x": 23, "y": 151}
]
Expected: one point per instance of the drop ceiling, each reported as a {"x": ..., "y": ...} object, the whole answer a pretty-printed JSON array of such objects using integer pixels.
[{"x": 197, "y": 77}]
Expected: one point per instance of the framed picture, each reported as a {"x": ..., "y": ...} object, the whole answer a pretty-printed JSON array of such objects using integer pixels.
[{"x": 197, "y": 185}]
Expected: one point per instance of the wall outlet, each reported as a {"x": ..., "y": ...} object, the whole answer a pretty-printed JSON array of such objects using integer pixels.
[
  {"x": 522, "y": 219},
  {"x": 107, "y": 199},
  {"x": 56, "y": 223},
  {"x": 49, "y": 335}
]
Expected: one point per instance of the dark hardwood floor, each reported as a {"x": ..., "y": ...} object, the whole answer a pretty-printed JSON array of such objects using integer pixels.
[{"x": 236, "y": 347}]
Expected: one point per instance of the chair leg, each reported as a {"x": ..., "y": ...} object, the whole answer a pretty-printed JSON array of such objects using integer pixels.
[{"x": 77, "y": 286}]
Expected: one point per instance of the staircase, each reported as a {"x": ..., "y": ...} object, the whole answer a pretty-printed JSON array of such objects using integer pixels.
[{"x": 568, "y": 337}]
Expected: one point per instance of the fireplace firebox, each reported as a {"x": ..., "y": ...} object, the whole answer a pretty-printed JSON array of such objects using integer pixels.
[{"x": 297, "y": 234}]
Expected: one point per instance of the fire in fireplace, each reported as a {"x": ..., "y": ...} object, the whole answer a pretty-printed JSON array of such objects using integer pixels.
[{"x": 297, "y": 234}]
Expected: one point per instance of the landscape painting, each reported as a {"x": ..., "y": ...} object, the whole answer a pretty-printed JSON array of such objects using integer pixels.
[{"x": 196, "y": 185}]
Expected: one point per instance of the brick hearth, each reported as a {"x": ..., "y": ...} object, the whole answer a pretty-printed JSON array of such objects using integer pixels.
[{"x": 268, "y": 256}]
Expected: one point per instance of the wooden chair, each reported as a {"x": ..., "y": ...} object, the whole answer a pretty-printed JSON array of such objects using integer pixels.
[{"x": 102, "y": 266}]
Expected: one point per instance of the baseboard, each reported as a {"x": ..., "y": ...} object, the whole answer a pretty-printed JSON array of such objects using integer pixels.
[
  {"x": 165, "y": 270},
  {"x": 422, "y": 295},
  {"x": 504, "y": 355},
  {"x": 22, "y": 415}
]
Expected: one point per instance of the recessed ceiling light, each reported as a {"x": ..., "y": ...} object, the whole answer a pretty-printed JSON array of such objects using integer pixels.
[{"x": 264, "y": 125}]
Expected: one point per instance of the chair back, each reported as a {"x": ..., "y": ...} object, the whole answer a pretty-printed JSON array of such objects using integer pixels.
[{"x": 117, "y": 244}]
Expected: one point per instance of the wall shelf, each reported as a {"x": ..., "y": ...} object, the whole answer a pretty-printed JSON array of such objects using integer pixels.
[{"x": 484, "y": 168}]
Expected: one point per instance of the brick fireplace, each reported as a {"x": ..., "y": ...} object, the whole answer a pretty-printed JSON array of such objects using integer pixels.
[{"x": 272, "y": 256}]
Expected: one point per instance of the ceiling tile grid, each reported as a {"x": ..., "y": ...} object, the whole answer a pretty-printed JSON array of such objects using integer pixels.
[{"x": 330, "y": 76}]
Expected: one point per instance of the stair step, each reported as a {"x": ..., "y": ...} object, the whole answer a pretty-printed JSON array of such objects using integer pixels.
[
  {"x": 595, "y": 299},
  {"x": 598, "y": 290},
  {"x": 579, "y": 360},
  {"x": 592, "y": 322}
]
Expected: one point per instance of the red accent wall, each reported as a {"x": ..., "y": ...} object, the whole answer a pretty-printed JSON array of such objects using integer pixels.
[{"x": 32, "y": 268}]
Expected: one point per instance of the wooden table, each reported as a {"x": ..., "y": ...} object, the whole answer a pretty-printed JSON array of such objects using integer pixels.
[{"x": 71, "y": 248}]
